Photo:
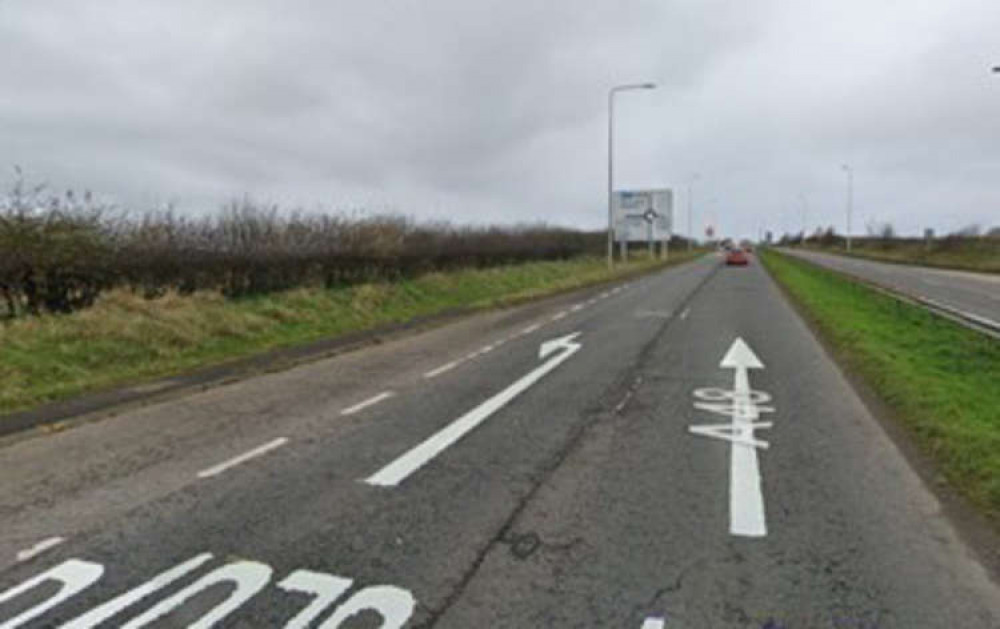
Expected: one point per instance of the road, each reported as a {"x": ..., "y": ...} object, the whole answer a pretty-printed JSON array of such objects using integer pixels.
[
  {"x": 531, "y": 467},
  {"x": 975, "y": 295}
]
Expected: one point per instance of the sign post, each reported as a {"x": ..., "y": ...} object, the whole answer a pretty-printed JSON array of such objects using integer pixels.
[{"x": 643, "y": 215}]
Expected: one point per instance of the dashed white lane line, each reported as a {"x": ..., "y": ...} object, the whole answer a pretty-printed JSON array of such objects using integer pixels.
[
  {"x": 604, "y": 295},
  {"x": 685, "y": 313},
  {"x": 531, "y": 328},
  {"x": 350, "y": 410},
  {"x": 559, "y": 315},
  {"x": 243, "y": 458},
  {"x": 433, "y": 373},
  {"x": 39, "y": 548},
  {"x": 654, "y": 623},
  {"x": 576, "y": 308}
]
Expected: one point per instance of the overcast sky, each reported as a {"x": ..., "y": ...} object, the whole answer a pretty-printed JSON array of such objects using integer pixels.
[{"x": 497, "y": 111}]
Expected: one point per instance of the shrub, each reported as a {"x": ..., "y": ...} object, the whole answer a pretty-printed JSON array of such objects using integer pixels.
[{"x": 57, "y": 253}]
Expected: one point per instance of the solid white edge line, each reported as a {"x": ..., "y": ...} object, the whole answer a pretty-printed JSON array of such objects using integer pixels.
[
  {"x": 39, "y": 548},
  {"x": 433, "y": 373},
  {"x": 559, "y": 315},
  {"x": 246, "y": 456},
  {"x": 350, "y": 410},
  {"x": 531, "y": 328}
]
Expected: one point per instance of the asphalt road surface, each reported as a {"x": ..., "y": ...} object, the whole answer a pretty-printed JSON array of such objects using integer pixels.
[
  {"x": 975, "y": 294},
  {"x": 532, "y": 467}
]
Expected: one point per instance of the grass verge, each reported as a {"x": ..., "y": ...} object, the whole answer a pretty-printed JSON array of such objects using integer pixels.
[
  {"x": 982, "y": 256},
  {"x": 941, "y": 380},
  {"x": 125, "y": 339}
]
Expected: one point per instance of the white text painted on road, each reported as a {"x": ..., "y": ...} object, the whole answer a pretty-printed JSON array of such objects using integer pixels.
[
  {"x": 350, "y": 410},
  {"x": 243, "y": 579},
  {"x": 73, "y": 577},
  {"x": 243, "y": 458},
  {"x": 743, "y": 406},
  {"x": 396, "y": 472}
]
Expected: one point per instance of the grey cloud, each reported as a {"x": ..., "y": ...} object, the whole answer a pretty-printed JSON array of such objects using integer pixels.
[{"x": 495, "y": 111}]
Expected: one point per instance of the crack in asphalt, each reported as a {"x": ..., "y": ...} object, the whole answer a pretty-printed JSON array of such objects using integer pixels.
[{"x": 602, "y": 411}]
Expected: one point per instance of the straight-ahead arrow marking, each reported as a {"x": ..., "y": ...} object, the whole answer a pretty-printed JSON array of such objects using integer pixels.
[
  {"x": 394, "y": 473},
  {"x": 746, "y": 501}
]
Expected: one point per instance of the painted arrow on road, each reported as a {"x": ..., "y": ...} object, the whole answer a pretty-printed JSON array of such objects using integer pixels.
[
  {"x": 557, "y": 351},
  {"x": 743, "y": 405}
]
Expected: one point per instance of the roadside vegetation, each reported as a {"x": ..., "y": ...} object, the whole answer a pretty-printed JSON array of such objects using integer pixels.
[
  {"x": 940, "y": 379},
  {"x": 58, "y": 253},
  {"x": 968, "y": 249},
  {"x": 126, "y": 338},
  {"x": 92, "y": 297}
]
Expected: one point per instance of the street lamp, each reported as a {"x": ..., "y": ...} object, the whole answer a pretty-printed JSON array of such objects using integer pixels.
[
  {"x": 694, "y": 178},
  {"x": 611, "y": 146},
  {"x": 850, "y": 201}
]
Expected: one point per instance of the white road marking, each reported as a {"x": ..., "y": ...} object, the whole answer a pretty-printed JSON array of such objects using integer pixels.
[
  {"x": 531, "y": 328},
  {"x": 576, "y": 308},
  {"x": 488, "y": 348},
  {"x": 243, "y": 579},
  {"x": 350, "y": 410},
  {"x": 559, "y": 315},
  {"x": 654, "y": 623},
  {"x": 411, "y": 461},
  {"x": 685, "y": 313},
  {"x": 39, "y": 548},
  {"x": 746, "y": 500},
  {"x": 243, "y": 458},
  {"x": 395, "y": 606},
  {"x": 433, "y": 373},
  {"x": 248, "y": 577},
  {"x": 324, "y": 588},
  {"x": 73, "y": 576},
  {"x": 591, "y": 302},
  {"x": 604, "y": 295},
  {"x": 99, "y": 614}
]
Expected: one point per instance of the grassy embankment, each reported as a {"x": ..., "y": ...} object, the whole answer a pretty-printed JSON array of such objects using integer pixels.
[
  {"x": 941, "y": 380},
  {"x": 978, "y": 254},
  {"x": 124, "y": 339}
]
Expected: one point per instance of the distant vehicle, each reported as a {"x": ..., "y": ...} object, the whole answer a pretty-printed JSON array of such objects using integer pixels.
[{"x": 737, "y": 257}]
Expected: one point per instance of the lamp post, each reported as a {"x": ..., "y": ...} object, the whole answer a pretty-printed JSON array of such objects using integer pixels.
[
  {"x": 694, "y": 178},
  {"x": 611, "y": 153},
  {"x": 850, "y": 201}
]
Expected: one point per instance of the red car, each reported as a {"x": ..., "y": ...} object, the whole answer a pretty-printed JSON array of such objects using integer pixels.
[{"x": 737, "y": 257}]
